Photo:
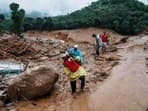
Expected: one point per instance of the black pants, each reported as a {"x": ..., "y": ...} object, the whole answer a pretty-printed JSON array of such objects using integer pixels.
[
  {"x": 97, "y": 50},
  {"x": 73, "y": 84}
]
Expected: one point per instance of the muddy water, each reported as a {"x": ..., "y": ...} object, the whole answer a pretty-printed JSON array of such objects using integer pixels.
[{"x": 126, "y": 89}]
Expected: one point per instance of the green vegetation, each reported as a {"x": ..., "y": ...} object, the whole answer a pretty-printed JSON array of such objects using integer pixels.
[
  {"x": 17, "y": 16},
  {"x": 2, "y": 18},
  {"x": 126, "y": 17},
  {"x": 38, "y": 24},
  {"x": 123, "y": 16}
]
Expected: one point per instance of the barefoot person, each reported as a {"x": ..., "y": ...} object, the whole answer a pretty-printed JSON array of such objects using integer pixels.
[{"x": 74, "y": 72}]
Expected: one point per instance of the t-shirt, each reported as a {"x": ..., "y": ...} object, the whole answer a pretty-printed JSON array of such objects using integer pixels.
[
  {"x": 76, "y": 54},
  {"x": 104, "y": 38},
  {"x": 98, "y": 40}
]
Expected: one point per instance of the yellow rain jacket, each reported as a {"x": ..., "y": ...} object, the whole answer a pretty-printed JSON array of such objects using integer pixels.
[{"x": 75, "y": 75}]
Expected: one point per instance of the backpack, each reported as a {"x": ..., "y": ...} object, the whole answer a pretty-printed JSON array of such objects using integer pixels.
[{"x": 73, "y": 66}]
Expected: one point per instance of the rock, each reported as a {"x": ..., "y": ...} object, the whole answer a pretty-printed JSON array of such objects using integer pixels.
[
  {"x": 114, "y": 63},
  {"x": 107, "y": 57},
  {"x": 121, "y": 40},
  {"x": 11, "y": 108},
  {"x": 103, "y": 74},
  {"x": 111, "y": 49},
  {"x": 54, "y": 53},
  {"x": 124, "y": 39},
  {"x": 146, "y": 47},
  {"x": 13, "y": 47},
  {"x": 33, "y": 85},
  {"x": 3, "y": 86},
  {"x": 112, "y": 59},
  {"x": 3, "y": 95},
  {"x": 1, "y": 104}
]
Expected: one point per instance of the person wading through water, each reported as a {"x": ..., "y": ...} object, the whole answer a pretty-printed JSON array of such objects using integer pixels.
[
  {"x": 74, "y": 72},
  {"x": 98, "y": 43}
]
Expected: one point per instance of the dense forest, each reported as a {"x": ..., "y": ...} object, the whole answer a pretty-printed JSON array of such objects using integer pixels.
[{"x": 126, "y": 17}]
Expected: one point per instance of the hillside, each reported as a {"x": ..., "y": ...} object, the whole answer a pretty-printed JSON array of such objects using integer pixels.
[
  {"x": 123, "y": 16},
  {"x": 127, "y": 17}
]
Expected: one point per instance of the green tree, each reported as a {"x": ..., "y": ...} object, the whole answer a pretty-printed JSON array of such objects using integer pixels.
[
  {"x": 17, "y": 16},
  {"x": 2, "y": 18},
  {"x": 39, "y": 23},
  {"x": 47, "y": 25},
  {"x": 124, "y": 16},
  {"x": 28, "y": 24}
]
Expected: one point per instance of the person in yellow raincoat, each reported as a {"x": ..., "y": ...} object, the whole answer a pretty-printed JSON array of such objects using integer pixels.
[{"x": 74, "y": 76}]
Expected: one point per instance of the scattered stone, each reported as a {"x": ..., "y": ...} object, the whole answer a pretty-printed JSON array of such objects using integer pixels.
[
  {"x": 146, "y": 45},
  {"x": 145, "y": 48},
  {"x": 103, "y": 74},
  {"x": 111, "y": 49},
  {"x": 11, "y": 108},
  {"x": 13, "y": 47},
  {"x": 3, "y": 95},
  {"x": 3, "y": 86},
  {"x": 101, "y": 79},
  {"x": 54, "y": 53},
  {"x": 30, "y": 86},
  {"x": 114, "y": 63},
  {"x": 108, "y": 58},
  {"x": 121, "y": 40},
  {"x": 1, "y": 104},
  {"x": 112, "y": 59}
]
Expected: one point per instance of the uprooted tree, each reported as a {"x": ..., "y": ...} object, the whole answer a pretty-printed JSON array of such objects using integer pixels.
[{"x": 17, "y": 16}]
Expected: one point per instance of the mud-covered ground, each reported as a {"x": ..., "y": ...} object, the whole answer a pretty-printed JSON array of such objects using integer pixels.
[
  {"x": 47, "y": 49},
  {"x": 126, "y": 90}
]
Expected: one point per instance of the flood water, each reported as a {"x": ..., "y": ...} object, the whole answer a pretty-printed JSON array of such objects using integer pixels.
[
  {"x": 126, "y": 89},
  {"x": 10, "y": 67}
]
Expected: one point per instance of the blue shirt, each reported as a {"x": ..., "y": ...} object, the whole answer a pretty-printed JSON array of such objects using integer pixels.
[{"x": 76, "y": 53}]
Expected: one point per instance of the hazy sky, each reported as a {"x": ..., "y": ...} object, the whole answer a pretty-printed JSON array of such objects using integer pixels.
[
  {"x": 52, "y": 7},
  {"x": 145, "y": 1}
]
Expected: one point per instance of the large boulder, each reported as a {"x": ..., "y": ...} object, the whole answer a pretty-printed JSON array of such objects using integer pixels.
[{"x": 33, "y": 85}]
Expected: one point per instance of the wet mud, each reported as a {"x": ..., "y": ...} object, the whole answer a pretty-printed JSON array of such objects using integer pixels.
[{"x": 116, "y": 81}]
